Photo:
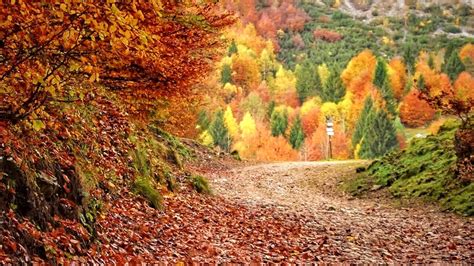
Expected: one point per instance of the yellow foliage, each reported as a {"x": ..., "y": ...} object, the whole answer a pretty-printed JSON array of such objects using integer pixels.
[
  {"x": 363, "y": 63},
  {"x": 206, "y": 138},
  {"x": 284, "y": 80},
  {"x": 397, "y": 76},
  {"x": 247, "y": 126},
  {"x": 323, "y": 72},
  {"x": 231, "y": 123},
  {"x": 309, "y": 105}
]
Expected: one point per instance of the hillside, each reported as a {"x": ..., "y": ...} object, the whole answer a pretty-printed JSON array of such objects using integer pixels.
[{"x": 191, "y": 132}]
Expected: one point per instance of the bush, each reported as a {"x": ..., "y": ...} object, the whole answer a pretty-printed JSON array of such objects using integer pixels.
[
  {"x": 200, "y": 184},
  {"x": 452, "y": 29}
]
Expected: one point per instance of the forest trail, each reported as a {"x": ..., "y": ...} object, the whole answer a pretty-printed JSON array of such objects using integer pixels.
[{"x": 343, "y": 228}]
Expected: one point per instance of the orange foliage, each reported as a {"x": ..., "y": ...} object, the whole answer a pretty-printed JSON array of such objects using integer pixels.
[
  {"x": 414, "y": 111},
  {"x": 397, "y": 77},
  {"x": 264, "y": 147},
  {"x": 467, "y": 52},
  {"x": 246, "y": 73},
  {"x": 310, "y": 121},
  {"x": 317, "y": 145},
  {"x": 361, "y": 65},
  {"x": 361, "y": 86},
  {"x": 327, "y": 35},
  {"x": 464, "y": 88}
]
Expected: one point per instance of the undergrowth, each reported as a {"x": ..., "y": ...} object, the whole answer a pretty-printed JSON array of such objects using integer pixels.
[
  {"x": 425, "y": 170},
  {"x": 200, "y": 184}
]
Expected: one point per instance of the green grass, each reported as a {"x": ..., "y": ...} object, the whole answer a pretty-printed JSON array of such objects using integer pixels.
[
  {"x": 144, "y": 187},
  {"x": 424, "y": 170},
  {"x": 200, "y": 184}
]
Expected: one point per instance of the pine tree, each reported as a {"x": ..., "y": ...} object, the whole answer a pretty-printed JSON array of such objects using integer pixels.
[
  {"x": 203, "y": 120},
  {"x": 226, "y": 74},
  {"x": 279, "y": 122},
  {"x": 382, "y": 82},
  {"x": 308, "y": 82},
  {"x": 410, "y": 52},
  {"x": 232, "y": 48},
  {"x": 362, "y": 122},
  {"x": 270, "y": 109},
  {"x": 390, "y": 101},
  {"x": 380, "y": 137},
  {"x": 453, "y": 66},
  {"x": 380, "y": 76},
  {"x": 219, "y": 131},
  {"x": 334, "y": 89},
  {"x": 296, "y": 134}
]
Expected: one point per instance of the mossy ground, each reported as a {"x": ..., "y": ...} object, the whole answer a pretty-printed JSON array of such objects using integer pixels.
[{"x": 424, "y": 170}]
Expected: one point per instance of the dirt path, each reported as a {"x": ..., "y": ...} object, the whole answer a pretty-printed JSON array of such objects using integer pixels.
[{"x": 357, "y": 230}]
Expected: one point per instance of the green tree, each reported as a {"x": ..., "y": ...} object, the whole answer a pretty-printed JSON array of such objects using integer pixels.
[
  {"x": 362, "y": 122},
  {"x": 226, "y": 74},
  {"x": 453, "y": 66},
  {"x": 380, "y": 137},
  {"x": 219, "y": 132},
  {"x": 279, "y": 122},
  {"x": 380, "y": 76},
  {"x": 232, "y": 48},
  {"x": 296, "y": 134},
  {"x": 203, "y": 120},
  {"x": 270, "y": 109},
  {"x": 410, "y": 52},
  {"x": 382, "y": 82},
  {"x": 333, "y": 90},
  {"x": 308, "y": 82}
]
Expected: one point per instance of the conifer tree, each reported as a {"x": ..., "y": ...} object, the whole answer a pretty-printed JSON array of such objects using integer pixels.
[
  {"x": 270, "y": 109},
  {"x": 380, "y": 76},
  {"x": 380, "y": 136},
  {"x": 219, "y": 131},
  {"x": 453, "y": 66},
  {"x": 203, "y": 120},
  {"x": 226, "y": 74},
  {"x": 410, "y": 52},
  {"x": 232, "y": 48},
  {"x": 362, "y": 122},
  {"x": 382, "y": 82},
  {"x": 333, "y": 90},
  {"x": 279, "y": 122},
  {"x": 308, "y": 82},
  {"x": 296, "y": 134}
]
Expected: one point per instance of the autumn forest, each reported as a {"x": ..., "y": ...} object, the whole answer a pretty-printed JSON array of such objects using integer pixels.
[{"x": 236, "y": 131}]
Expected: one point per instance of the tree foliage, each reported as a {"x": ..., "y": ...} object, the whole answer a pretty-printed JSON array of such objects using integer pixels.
[
  {"x": 47, "y": 46},
  {"x": 296, "y": 134}
]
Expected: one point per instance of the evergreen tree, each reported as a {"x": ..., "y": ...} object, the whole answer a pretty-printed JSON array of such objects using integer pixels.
[
  {"x": 279, "y": 122},
  {"x": 308, "y": 82},
  {"x": 453, "y": 66},
  {"x": 380, "y": 137},
  {"x": 334, "y": 89},
  {"x": 431, "y": 62},
  {"x": 296, "y": 134},
  {"x": 203, "y": 120},
  {"x": 410, "y": 52},
  {"x": 382, "y": 82},
  {"x": 232, "y": 48},
  {"x": 270, "y": 109},
  {"x": 362, "y": 122},
  {"x": 226, "y": 74},
  {"x": 380, "y": 76},
  {"x": 219, "y": 132},
  {"x": 390, "y": 101}
]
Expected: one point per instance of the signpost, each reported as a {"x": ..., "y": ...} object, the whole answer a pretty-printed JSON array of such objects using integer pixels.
[{"x": 330, "y": 132}]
